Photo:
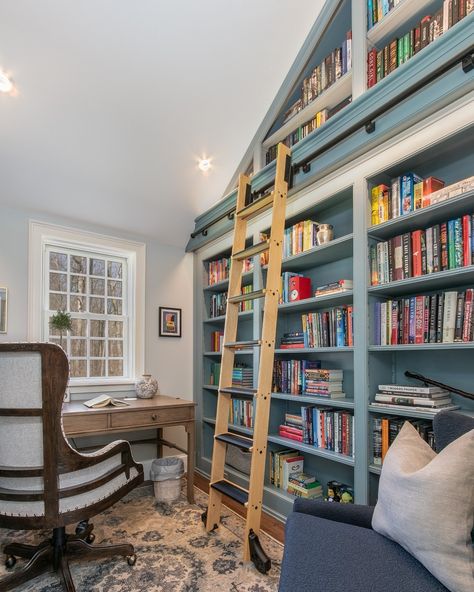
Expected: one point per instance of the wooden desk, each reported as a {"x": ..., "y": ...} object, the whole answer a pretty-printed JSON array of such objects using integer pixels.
[{"x": 142, "y": 414}]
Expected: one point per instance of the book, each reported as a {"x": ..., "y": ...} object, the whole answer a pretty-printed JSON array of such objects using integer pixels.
[
  {"x": 105, "y": 401},
  {"x": 412, "y": 401}
]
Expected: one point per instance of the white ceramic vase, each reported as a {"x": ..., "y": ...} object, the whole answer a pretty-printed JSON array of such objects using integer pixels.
[{"x": 146, "y": 387}]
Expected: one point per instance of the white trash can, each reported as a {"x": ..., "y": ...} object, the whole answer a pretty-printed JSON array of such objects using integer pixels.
[{"x": 166, "y": 475}]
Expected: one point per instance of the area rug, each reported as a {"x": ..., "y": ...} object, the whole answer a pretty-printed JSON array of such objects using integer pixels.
[{"x": 175, "y": 553}]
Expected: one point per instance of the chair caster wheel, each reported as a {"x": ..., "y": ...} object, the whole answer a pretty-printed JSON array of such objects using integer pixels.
[
  {"x": 10, "y": 561},
  {"x": 132, "y": 559},
  {"x": 82, "y": 526},
  {"x": 91, "y": 538}
]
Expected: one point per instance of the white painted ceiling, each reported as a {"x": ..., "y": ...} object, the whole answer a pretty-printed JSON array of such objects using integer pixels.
[{"x": 116, "y": 99}]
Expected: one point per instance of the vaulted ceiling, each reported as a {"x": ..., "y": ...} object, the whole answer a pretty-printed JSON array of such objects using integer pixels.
[{"x": 116, "y": 99}]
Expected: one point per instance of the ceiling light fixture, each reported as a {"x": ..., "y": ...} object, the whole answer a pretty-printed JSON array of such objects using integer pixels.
[
  {"x": 204, "y": 164},
  {"x": 6, "y": 85}
]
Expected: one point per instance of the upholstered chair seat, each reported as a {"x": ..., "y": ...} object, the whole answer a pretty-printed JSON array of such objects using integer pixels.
[{"x": 44, "y": 482}]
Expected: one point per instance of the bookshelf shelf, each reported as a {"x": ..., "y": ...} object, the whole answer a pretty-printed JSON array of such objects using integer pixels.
[
  {"x": 340, "y": 458},
  {"x": 232, "y": 427},
  {"x": 315, "y": 350},
  {"x": 310, "y": 304},
  {"x": 440, "y": 212},
  {"x": 240, "y": 352},
  {"x": 432, "y": 281},
  {"x": 422, "y": 346},
  {"x": 375, "y": 469},
  {"x": 408, "y": 412},
  {"x": 224, "y": 284},
  {"x": 333, "y": 95},
  {"x": 403, "y": 12},
  {"x": 343, "y": 403},
  {"x": 221, "y": 319},
  {"x": 337, "y": 249},
  {"x": 210, "y": 387}
]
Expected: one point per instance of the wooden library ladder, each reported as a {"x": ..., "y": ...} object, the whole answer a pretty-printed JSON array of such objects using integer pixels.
[{"x": 251, "y": 499}]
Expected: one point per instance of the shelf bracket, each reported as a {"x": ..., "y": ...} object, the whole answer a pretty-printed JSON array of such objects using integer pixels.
[
  {"x": 468, "y": 62},
  {"x": 306, "y": 167},
  {"x": 370, "y": 127}
]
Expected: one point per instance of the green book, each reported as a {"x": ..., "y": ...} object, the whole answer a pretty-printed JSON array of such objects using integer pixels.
[
  {"x": 400, "y": 52},
  {"x": 406, "y": 47}
]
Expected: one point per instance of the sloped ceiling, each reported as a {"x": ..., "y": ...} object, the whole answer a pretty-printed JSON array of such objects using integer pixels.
[{"x": 116, "y": 99}]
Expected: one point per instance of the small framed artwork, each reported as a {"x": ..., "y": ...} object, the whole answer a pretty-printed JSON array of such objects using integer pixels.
[
  {"x": 3, "y": 310},
  {"x": 170, "y": 322}
]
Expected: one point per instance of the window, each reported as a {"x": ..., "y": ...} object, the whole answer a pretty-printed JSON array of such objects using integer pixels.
[
  {"x": 92, "y": 287},
  {"x": 96, "y": 279}
]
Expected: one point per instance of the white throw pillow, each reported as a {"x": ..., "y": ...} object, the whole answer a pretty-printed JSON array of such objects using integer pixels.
[{"x": 426, "y": 504}]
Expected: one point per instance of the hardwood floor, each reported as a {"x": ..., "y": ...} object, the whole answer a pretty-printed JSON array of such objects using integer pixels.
[{"x": 270, "y": 525}]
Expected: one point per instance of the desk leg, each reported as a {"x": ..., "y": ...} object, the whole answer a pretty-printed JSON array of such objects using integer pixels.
[
  {"x": 190, "y": 430},
  {"x": 159, "y": 446}
]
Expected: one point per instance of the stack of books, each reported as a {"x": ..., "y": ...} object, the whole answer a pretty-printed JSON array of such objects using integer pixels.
[
  {"x": 242, "y": 377},
  {"x": 398, "y": 51},
  {"x": 289, "y": 376},
  {"x": 324, "y": 383},
  {"x": 429, "y": 399},
  {"x": 305, "y": 486},
  {"x": 292, "y": 428},
  {"x": 445, "y": 317},
  {"x": 292, "y": 340},
  {"x": 385, "y": 430},
  {"x": 330, "y": 328},
  {"x": 449, "y": 245},
  {"x": 334, "y": 288}
]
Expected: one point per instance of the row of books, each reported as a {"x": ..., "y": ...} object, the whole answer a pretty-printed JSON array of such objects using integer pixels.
[
  {"x": 385, "y": 430},
  {"x": 449, "y": 245},
  {"x": 429, "y": 399},
  {"x": 377, "y": 9},
  {"x": 322, "y": 427},
  {"x": 286, "y": 472},
  {"x": 300, "y": 237},
  {"x": 306, "y": 128},
  {"x": 406, "y": 193},
  {"x": 444, "y": 317},
  {"x": 401, "y": 49},
  {"x": 289, "y": 375},
  {"x": 329, "y": 328},
  {"x": 218, "y": 270},
  {"x": 218, "y": 302},
  {"x": 334, "y": 65},
  {"x": 217, "y": 341},
  {"x": 410, "y": 192},
  {"x": 241, "y": 413}
]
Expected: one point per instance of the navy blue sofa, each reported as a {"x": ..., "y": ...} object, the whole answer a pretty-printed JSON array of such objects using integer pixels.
[{"x": 332, "y": 547}]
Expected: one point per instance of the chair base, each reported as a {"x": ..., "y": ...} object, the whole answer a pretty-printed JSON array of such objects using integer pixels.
[{"x": 53, "y": 555}]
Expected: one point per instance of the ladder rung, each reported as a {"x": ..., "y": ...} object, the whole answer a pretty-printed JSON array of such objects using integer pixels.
[
  {"x": 236, "y": 440},
  {"x": 263, "y": 203},
  {"x": 243, "y": 344},
  {"x": 245, "y": 297},
  {"x": 233, "y": 491},
  {"x": 240, "y": 391},
  {"x": 252, "y": 251}
]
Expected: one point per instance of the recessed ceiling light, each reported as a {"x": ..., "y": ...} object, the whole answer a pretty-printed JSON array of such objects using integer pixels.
[
  {"x": 6, "y": 85},
  {"x": 204, "y": 164}
]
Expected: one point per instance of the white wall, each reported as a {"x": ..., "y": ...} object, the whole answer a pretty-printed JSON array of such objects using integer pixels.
[{"x": 169, "y": 282}]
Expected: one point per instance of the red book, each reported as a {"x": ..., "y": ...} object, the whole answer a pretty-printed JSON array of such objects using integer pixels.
[
  {"x": 291, "y": 430},
  {"x": 284, "y": 434},
  {"x": 416, "y": 253},
  {"x": 466, "y": 239},
  {"x": 397, "y": 250},
  {"x": 394, "y": 323},
  {"x": 406, "y": 321},
  {"x": 371, "y": 68},
  {"x": 419, "y": 319},
  {"x": 291, "y": 345},
  {"x": 350, "y": 329}
]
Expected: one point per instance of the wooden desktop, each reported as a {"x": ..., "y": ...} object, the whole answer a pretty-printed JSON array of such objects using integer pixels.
[{"x": 141, "y": 414}]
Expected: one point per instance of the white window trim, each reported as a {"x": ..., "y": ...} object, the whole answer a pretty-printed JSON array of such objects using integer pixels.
[{"x": 41, "y": 234}]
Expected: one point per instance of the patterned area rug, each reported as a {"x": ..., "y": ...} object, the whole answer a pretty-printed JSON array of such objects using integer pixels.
[{"x": 175, "y": 554}]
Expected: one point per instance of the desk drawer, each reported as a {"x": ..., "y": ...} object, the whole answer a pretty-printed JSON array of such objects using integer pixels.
[
  {"x": 85, "y": 423},
  {"x": 150, "y": 417}
]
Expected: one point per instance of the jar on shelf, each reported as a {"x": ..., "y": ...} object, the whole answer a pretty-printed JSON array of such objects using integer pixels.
[
  {"x": 146, "y": 387},
  {"x": 325, "y": 233}
]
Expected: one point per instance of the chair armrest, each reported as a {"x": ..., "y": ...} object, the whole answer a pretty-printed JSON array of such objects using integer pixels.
[
  {"x": 349, "y": 513},
  {"x": 81, "y": 460}
]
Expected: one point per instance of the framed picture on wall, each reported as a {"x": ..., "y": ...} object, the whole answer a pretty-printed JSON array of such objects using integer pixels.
[
  {"x": 3, "y": 310},
  {"x": 170, "y": 322}
]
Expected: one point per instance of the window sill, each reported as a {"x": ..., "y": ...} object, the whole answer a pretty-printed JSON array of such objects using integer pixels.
[{"x": 85, "y": 386}]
